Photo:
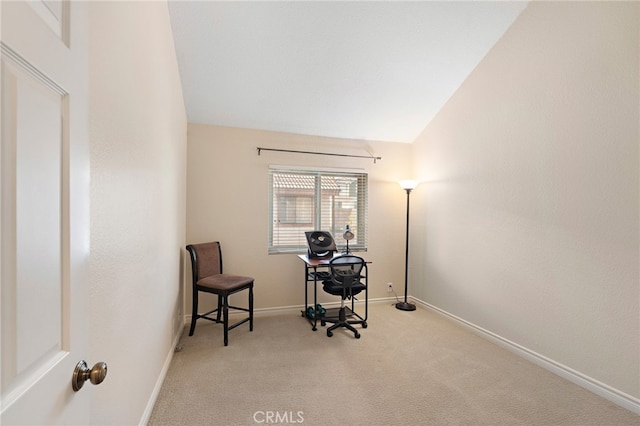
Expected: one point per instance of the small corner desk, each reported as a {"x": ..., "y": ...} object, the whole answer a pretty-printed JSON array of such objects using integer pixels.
[{"x": 313, "y": 275}]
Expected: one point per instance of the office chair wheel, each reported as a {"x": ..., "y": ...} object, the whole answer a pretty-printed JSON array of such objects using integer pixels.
[
  {"x": 364, "y": 324},
  {"x": 329, "y": 333},
  {"x": 357, "y": 335}
]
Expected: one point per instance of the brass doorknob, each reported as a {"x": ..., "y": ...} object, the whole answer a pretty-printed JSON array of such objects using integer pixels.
[{"x": 82, "y": 373}]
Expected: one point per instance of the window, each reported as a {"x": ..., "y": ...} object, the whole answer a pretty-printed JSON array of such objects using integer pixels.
[{"x": 312, "y": 200}]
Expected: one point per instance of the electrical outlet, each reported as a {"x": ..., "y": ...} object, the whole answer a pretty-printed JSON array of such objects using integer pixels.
[{"x": 389, "y": 287}]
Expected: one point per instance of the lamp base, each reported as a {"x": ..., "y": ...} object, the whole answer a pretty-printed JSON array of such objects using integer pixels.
[{"x": 404, "y": 306}]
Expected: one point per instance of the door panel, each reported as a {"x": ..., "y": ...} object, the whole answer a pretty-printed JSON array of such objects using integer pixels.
[
  {"x": 55, "y": 15},
  {"x": 44, "y": 212},
  {"x": 38, "y": 283},
  {"x": 33, "y": 165}
]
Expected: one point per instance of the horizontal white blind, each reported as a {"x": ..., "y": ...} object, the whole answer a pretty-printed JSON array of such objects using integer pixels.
[{"x": 315, "y": 200}]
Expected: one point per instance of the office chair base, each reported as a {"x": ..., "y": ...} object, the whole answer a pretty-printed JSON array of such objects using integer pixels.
[
  {"x": 362, "y": 323},
  {"x": 356, "y": 334},
  {"x": 404, "y": 306},
  {"x": 343, "y": 323}
]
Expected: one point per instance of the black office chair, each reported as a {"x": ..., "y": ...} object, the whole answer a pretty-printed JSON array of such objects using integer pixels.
[
  {"x": 345, "y": 281},
  {"x": 206, "y": 266}
]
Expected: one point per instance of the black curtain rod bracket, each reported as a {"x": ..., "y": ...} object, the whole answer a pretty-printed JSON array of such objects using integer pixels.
[{"x": 371, "y": 157}]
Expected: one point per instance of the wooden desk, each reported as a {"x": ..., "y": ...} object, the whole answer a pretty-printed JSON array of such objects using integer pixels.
[{"x": 312, "y": 275}]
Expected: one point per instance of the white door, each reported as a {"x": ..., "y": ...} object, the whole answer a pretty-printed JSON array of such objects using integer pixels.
[{"x": 44, "y": 174}]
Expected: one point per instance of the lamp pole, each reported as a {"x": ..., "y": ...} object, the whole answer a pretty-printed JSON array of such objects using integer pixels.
[{"x": 406, "y": 306}]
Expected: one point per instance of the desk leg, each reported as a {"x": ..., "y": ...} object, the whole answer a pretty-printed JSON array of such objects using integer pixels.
[
  {"x": 314, "y": 321},
  {"x": 306, "y": 297},
  {"x": 315, "y": 299}
]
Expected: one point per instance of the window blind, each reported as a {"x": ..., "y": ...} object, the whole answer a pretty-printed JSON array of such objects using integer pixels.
[{"x": 316, "y": 200}]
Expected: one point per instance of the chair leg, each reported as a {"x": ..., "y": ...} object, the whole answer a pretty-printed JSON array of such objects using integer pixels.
[
  {"x": 219, "y": 308},
  {"x": 251, "y": 308},
  {"x": 225, "y": 316},
  {"x": 194, "y": 312}
]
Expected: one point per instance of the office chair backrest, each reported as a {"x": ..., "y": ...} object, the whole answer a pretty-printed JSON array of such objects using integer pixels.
[
  {"x": 206, "y": 259},
  {"x": 346, "y": 269}
]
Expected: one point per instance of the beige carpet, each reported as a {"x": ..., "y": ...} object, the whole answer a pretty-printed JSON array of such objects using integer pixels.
[{"x": 408, "y": 368}]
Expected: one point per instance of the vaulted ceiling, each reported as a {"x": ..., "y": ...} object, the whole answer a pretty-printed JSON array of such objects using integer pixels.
[{"x": 358, "y": 70}]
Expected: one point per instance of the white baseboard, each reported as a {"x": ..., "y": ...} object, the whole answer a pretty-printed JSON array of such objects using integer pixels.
[
  {"x": 163, "y": 373},
  {"x": 605, "y": 391}
]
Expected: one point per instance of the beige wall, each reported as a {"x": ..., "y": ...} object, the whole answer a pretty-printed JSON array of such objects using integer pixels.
[
  {"x": 227, "y": 200},
  {"x": 528, "y": 225},
  {"x": 138, "y": 172}
]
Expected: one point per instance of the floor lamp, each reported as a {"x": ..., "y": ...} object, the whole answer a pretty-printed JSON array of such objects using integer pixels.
[{"x": 407, "y": 185}]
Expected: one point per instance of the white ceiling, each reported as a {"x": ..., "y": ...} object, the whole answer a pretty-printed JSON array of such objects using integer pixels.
[{"x": 358, "y": 70}]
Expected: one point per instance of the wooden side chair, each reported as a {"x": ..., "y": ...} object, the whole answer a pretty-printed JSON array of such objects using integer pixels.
[{"x": 206, "y": 265}]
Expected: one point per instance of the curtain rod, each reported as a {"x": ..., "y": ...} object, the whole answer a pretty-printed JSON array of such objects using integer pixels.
[{"x": 320, "y": 153}]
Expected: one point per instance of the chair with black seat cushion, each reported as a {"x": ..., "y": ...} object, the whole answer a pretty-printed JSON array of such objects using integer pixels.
[
  {"x": 206, "y": 266},
  {"x": 345, "y": 281}
]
